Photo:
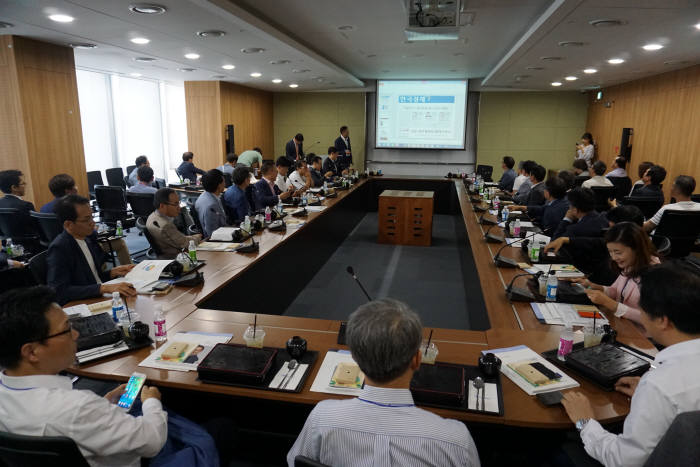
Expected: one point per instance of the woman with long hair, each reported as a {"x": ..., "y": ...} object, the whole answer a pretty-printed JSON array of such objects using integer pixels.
[{"x": 586, "y": 149}]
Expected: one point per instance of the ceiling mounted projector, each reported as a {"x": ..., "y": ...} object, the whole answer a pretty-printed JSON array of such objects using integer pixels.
[{"x": 432, "y": 20}]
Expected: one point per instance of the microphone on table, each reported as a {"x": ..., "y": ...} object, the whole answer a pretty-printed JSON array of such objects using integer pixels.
[
  {"x": 492, "y": 238},
  {"x": 351, "y": 271},
  {"x": 518, "y": 294},
  {"x": 484, "y": 221},
  {"x": 317, "y": 142},
  {"x": 502, "y": 262}
]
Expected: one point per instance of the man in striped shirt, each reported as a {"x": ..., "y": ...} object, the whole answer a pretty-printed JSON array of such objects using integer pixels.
[{"x": 383, "y": 426}]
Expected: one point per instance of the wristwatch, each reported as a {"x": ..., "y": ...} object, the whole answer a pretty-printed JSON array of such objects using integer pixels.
[{"x": 581, "y": 423}]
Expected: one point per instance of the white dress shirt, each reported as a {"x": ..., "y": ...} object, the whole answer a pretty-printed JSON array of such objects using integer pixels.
[
  {"x": 519, "y": 181},
  {"x": 617, "y": 172},
  {"x": 382, "y": 427},
  {"x": 47, "y": 405},
  {"x": 282, "y": 182},
  {"x": 679, "y": 206},
  {"x": 88, "y": 257},
  {"x": 597, "y": 180},
  {"x": 586, "y": 154},
  {"x": 672, "y": 388},
  {"x": 297, "y": 180}
]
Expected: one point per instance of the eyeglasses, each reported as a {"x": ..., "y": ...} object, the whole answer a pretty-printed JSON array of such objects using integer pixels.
[
  {"x": 173, "y": 204},
  {"x": 66, "y": 331}
]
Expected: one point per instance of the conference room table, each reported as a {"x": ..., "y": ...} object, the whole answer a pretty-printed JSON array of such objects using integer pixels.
[{"x": 510, "y": 323}]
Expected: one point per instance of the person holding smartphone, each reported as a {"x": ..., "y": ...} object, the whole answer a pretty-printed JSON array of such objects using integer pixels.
[{"x": 585, "y": 149}]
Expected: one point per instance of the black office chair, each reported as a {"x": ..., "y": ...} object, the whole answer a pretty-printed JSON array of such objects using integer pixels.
[
  {"x": 603, "y": 195},
  {"x": 681, "y": 228},
  {"x": 129, "y": 168},
  {"x": 115, "y": 177},
  {"x": 111, "y": 202},
  {"x": 228, "y": 180},
  {"x": 662, "y": 244},
  {"x": 39, "y": 451},
  {"x": 250, "y": 196},
  {"x": 679, "y": 446},
  {"x": 578, "y": 181},
  {"x": 623, "y": 185},
  {"x": 49, "y": 225},
  {"x": 154, "y": 252},
  {"x": 647, "y": 205},
  {"x": 195, "y": 217},
  {"x": 38, "y": 267},
  {"x": 141, "y": 203},
  {"x": 12, "y": 226},
  {"x": 160, "y": 183},
  {"x": 127, "y": 182},
  {"x": 695, "y": 198},
  {"x": 94, "y": 178},
  {"x": 303, "y": 461},
  {"x": 486, "y": 171}
]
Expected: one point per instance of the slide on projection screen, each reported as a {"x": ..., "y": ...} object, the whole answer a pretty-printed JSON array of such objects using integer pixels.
[{"x": 421, "y": 114}]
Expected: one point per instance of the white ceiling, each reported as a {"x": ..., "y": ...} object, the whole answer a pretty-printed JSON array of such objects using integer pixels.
[{"x": 505, "y": 38}]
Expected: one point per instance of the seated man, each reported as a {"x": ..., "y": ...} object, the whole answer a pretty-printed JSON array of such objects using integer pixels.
[
  {"x": 7, "y": 263},
  {"x": 75, "y": 263},
  {"x": 682, "y": 189},
  {"x": 651, "y": 187},
  {"x": 235, "y": 199},
  {"x": 598, "y": 178},
  {"x": 141, "y": 161},
  {"x": 535, "y": 196},
  {"x": 317, "y": 178},
  {"x": 161, "y": 227},
  {"x": 331, "y": 166},
  {"x": 60, "y": 185},
  {"x": 145, "y": 177},
  {"x": 282, "y": 181},
  {"x": 568, "y": 177},
  {"x": 187, "y": 169},
  {"x": 520, "y": 178},
  {"x": 618, "y": 168},
  {"x": 670, "y": 303},
  {"x": 641, "y": 170},
  {"x": 520, "y": 196},
  {"x": 553, "y": 210},
  {"x": 13, "y": 186},
  {"x": 209, "y": 208},
  {"x": 300, "y": 178},
  {"x": 265, "y": 192},
  {"x": 508, "y": 177},
  {"x": 581, "y": 220},
  {"x": 37, "y": 342},
  {"x": 581, "y": 168},
  {"x": 231, "y": 161},
  {"x": 382, "y": 426}
]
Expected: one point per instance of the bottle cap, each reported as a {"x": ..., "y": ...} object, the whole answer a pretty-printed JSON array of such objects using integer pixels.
[{"x": 115, "y": 295}]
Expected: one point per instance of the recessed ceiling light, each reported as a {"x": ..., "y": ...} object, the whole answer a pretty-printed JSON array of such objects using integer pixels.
[
  {"x": 606, "y": 23},
  {"x": 144, "y": 59},
  {"x": 192, "y": 56},
  {"x": 551, "y": 58},
  {"x": 652, "y": 47},
  {"x": 147, "y": 8},
  {"x": 253, "y": 50},
  {"x": 571, "y": 78},
  {"x": 255, "y": 74},
  {"x": 535, "y": 68},
  {"x": 228, "y": 67},
  {"x": 219, "y": 76},
  {"x": 293, "y": 85},
  {"x": 590, "y": 71},
  {"x": 278, "y": 62},
  {"x": 277, "y": 81},
  {"x": 83, "y": 45},
  {"x": 135, "y": 75},
  {"x": 302, "y": 70},
  {"x": 4, "y": 25},
  {"x": 346, "y": 27},
  {"x": 187, "y": 70},
  {"x": 211, "y": 33},
  {"x": 61, "y": 18},
  {"x": 697, "y": 26},
  {"x": 140, "y": 40},
  {"x": 615, "y": 61},
  {"x": 556, "y": 83},
  {"x": 571, "y": 44}
]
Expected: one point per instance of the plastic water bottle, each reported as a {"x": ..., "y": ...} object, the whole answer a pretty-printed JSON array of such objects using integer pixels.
[
  {"x": 504, "y": 215},
  {"x": 120, "y": 230},
  {"x": 542, "y": 283},
  {"x": 325, "y": 185},
  {"x": 535, "y": 252},
  {"x": 496, "y": 202},
  {"x": 516, "y": 228},
  {"x": 117, "y": 306},
  {"x": 192, "y": 250},
  {"x": 124, "y": 320},
  {"x": 280, "y": 207},
  {"x": 159, "y": 329},
  {"x": 303, "y": 200},
  {"x": 268, "y": 214},
  {"x": 552, "y": 283},
  {"x": 246, "y": 224},
  {"x": 566, "y": 342},
  {"x": 8, "y": 247}
]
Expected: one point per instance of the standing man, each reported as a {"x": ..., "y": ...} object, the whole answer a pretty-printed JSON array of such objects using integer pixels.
[
  {"x": 295, "y": 148},
  {"x": 342, "y": 145},
  {"x": 209, "y": 208},
  {"x": 140, "y": 161}
]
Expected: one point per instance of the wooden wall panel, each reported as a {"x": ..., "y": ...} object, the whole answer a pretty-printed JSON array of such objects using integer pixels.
[
  {"x": 664, "y": 111},
  {"x": 204, "y": 132},
  {"x": 250, "y": 112}
]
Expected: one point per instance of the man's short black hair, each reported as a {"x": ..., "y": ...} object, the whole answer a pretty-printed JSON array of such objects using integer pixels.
[
  {"x": 231, "y": 158},
  {"x": 599, "y": 167},
  {"x": 568, "y": 177},
  {"x": 8, "y": 179},
  {"x": 657, "y": 174},
  {"x": 509, "y": 161},
  {"x": 315, "y": 159},
  {"x": 258, "y": 150},
  {"x": 162, "y": 196},
  {"x": 282, "y": 161},
  {"x": 685, "y": 184},
  {"x": 528, "y": 166},
  {"x": 343, "y": 128},
  {"x": 23, "y": 318},
  {"x": 212, "y": 179},
  {"x": 582, "y": 199},
  {"x": 626, "y": 213},
  {"x": 556, "y": 187},
  {"x": 141, "y": 160},
  {"x": 266, "y": 167},
  {"x": 301, "y": 164},
  {"x": 299, "y": 137},
  {"x": 310, "y": 157},
  {"x": 65, "y": 207},
  {"x": 580, "y": 164},
  {"x": 240, "y": 174},
  {"x": 538, "y": 172},
  {"x": 672, "y": 289},
  {"x": 144, "y": 174},
  {"x": 621, "y": 162},
  {"x": 642, "y": 168},
  {"x": 187, "y": 156},
  {"x": 332, "y": 150},
  {"x": 61, "y": 183}
]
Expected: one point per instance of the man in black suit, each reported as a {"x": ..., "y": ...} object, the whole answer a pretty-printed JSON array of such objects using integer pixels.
[
  {"x": 295, "y": 148},
  {"x": 581, "y": 220},
  {"x": 265, "y": 192},
  {"x": 13, "y": 186},
  {"x": 187, "y": 169},
  {"x": 75, "y": 261},
  {"x": 536, "y": 195},
  {"x": 342, "y": 145},
  {"x": 332, "y": 166},
  {"x": 651, "y": 187}
]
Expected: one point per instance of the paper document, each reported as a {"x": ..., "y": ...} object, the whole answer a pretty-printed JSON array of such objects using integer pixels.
[
  {"x": 325, "y": 373},
  {"x": 218, "y": 246},
  {"x": 490, "y": 399},
  {"x": 184, "y": 351},
  {"x": 560, "y": 270},
  {"x": 315, "y": 208},
  {"x": 223, "y": 234},
  {"x": 565, "y": 313},
  {"x": 144, "y": 275}
]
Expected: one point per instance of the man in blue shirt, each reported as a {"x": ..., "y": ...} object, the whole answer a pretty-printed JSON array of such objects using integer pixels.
[
  {"x": 60, "y": 186},
  {"x": 140, "y": 161},
  {"x": 209, "y": 208},
  {"x": 506, "y": 181},
  {"x": 145, "y": 177},
  {"x": 235, "y": 199},
  {"x": 550, "y": 214},
  {"x": 187, "y": 169}
]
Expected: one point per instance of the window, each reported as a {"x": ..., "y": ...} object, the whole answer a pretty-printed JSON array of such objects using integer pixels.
[{"x": 96, "y": 118}]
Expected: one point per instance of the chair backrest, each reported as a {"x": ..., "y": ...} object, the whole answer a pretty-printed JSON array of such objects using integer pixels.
[
  {"x": 141, "y": 225},
  {"x": 695, "y": 198},
  {"x": 12, "y": 225},
  {"x": 303, "y": 461},
  {"x": 623, "y": 185},
  {"x": 112, "y": 202},
  {"x": 127, "y": 182},
  {"x": 115, "y": 177},
  {"x": 679, "y": 446},
  {"x": 195, "y": 216},
  {"x": 94, "y": 178},
  {"x": 603, "y": 195},
  {"x": 228, "y": 180},
  {"x": 141, "y": 203},
  {"x": 48, "y": 222},
  {"x": 160, "y": 183},
  {"x": 682, "y": 228},
  {"x": 662, "y": 244},
  {"x": 39, "y": 451},
  {"x": 129, "y": 169},
  {"x": 250, "y": 196},
  {"x": 38, "y": 267},
  {"x": 486, "y": 171},
  {"x": 578, "y": 181},
  {"x": 648, "y": 205}
]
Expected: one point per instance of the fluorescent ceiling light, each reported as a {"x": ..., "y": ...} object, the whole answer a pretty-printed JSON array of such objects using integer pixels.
[
  {"x": 590, "y": 71},
  {"x": 135, "y": 75},
  {"x": 652, "y": 47},
  {"x": 556, "y": 83},
  {"x": 615, "y": 61},
  {"x": 571, "y": 78},
  {"x": 256, "y": 74},
  {"x": 432, "y": 34},
  {"x": 228, "y": 67},
  {"x": 192, "y": 56},
  {"x": 140, "y": 40},
  {"x": 61, "y": 18},
  {"x": 277, "y": 81},
  {"x": 293, "y": 85}
]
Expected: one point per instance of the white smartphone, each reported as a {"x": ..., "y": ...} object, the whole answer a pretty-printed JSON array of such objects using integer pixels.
[{"x": 132, "y": 390}]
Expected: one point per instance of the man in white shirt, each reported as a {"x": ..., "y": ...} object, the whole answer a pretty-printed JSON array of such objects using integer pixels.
[
  {"x": 282, "y": 180},
  {"x": 682, "y": 189},
  {"x": 36, "y": 343},
  {"x": 520, "y": 178},
  {"x": 598, "y": 178},
  {"x": 382, "y": 426},
  {"x": 670, "y": 301},
  {"x": 301, "y": 178},
  {"x": 618, "y": 168}
]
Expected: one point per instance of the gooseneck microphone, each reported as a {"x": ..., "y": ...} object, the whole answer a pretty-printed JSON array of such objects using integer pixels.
[
  {"x": 502, "y": 262},
  {"x": 351, "y": 271},
  {"x": 492, "y": 238},
  {"x": 517, "y": 294}
]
